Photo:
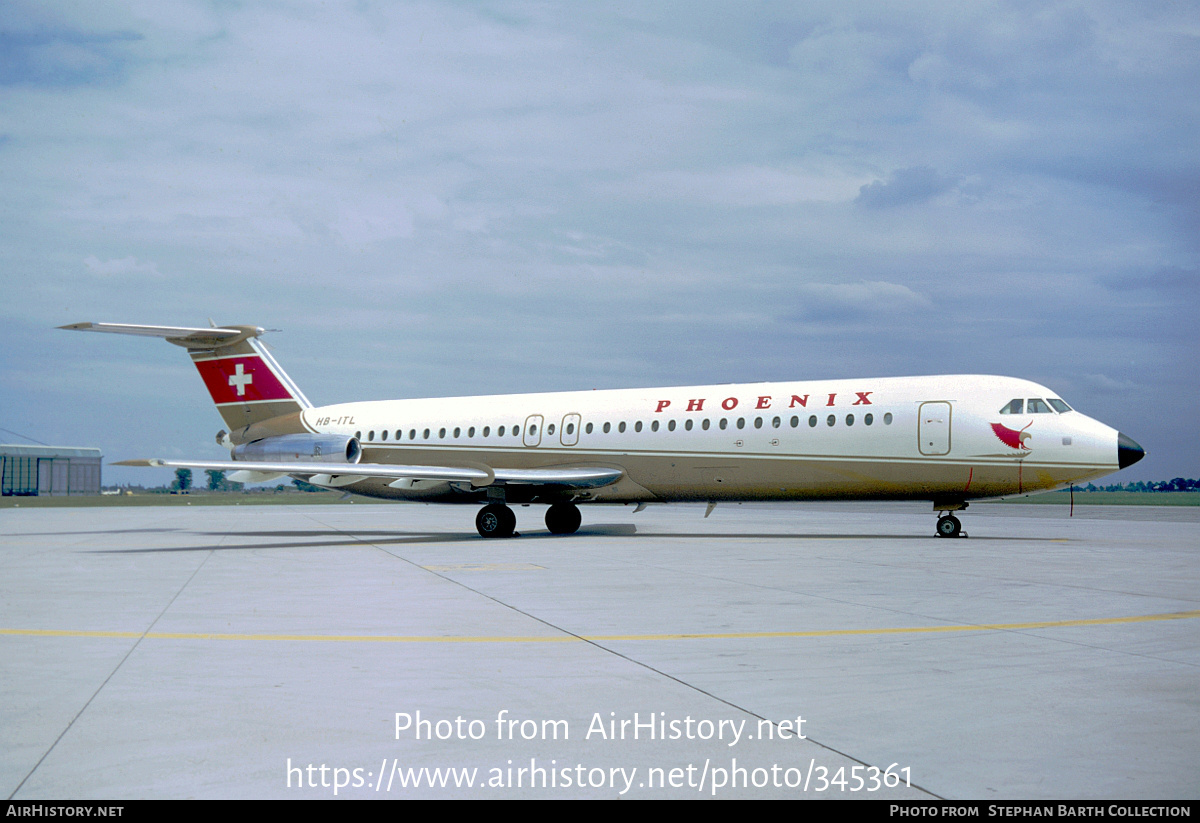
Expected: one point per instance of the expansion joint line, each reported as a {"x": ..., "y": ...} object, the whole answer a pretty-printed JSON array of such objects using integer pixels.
[
  {"x": 603, "y": 648},
  {"x": 133, "y": 647}
]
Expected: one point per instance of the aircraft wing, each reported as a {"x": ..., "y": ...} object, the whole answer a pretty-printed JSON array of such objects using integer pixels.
[
  {"x": 582, "y": 477},
  {"x": 577, "y": 478}
]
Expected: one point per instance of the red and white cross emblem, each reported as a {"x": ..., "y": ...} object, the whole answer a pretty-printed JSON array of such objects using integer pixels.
[{"x": 240, "y": 379}]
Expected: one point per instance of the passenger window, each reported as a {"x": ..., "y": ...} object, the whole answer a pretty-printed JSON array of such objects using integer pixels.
[
  {"x": 441, "y": 434},
  {"x": 758, "y": 422},
  {"x": 550, "y": 429},
  {"x": 358, "y": 435},
  {"x": 887, "y": 419},
  {"x": 812, "y": 422},
  {"x": 412, "y": 434},
  {"x": 724, "y": 424},
  {"x": 670, "y": 425},
  {"x": 704, "y": 424},
  {"x": 589, "y": 428},
  {"x": 607, "y": 428},
  {"x": 637, "y": 427},
  {"x": 399, "y": 434},
  {"x": 687, "y": 424},
  {"x": 570, "y": 428},
  {"x": 849, "y": 420},
  {"x": 830, "y": 420},
  {"x": 741, "y": 424},
  {"x": 1036, "y": 406},
  {"x": 1014, "y": 407},
  {"x": 775, "y": 422},
  {"x": 868, "y": 419},
  {"x": 517, "y": 431},
  {"x": 383, "y": 436},
  {"x": 471, "y": 432},
  {"x": 426, "y": 434},
  {"x": 500, "y": 432},
  {"x": 1059, "y": 406},
  {"x": 621, "y": 427},
  {"x": 654, "y": 426},
  {"x": 371, "y": 435}
]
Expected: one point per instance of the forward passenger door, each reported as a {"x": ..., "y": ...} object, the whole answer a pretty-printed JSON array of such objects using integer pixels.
[{"x": 933, "y": 428}]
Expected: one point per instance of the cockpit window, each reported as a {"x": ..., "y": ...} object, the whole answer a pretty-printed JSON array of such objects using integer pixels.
[
  {"x": 1037, "y": 406},
  {"x": 1059, "y": 406},
  {"x": 1014, "y": 407}
]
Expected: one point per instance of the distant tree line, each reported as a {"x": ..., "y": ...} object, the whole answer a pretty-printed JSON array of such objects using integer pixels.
[
  {"x": 306, "y": 487},
  {"x": 1179, "y": 484},
  {"x": 218, "y": 483}
]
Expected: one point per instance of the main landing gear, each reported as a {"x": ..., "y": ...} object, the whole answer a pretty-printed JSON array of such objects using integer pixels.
[
  {"x": 498, "y": 520},
  {"x": 563, "y": 518}
]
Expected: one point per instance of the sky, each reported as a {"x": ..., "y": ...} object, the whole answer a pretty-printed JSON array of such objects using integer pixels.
[{"x": 440, "y": 198}]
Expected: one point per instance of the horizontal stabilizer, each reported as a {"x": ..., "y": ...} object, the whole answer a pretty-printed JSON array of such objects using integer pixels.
[
  {"x": 193, "y": 338},
  {"x": 574, "y": 478}
]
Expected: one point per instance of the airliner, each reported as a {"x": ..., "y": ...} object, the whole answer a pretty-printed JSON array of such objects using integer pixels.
[{"x": 948, "y": 439}]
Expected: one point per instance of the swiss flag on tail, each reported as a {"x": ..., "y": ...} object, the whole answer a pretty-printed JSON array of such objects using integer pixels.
[{"x": 243, "y": 379}]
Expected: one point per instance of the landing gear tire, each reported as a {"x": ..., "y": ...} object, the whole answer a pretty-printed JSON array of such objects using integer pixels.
[
  {"x": 496, "y": 520},
  {"x": 563, "y": 518},
  {"x": 948, "y": 526}
]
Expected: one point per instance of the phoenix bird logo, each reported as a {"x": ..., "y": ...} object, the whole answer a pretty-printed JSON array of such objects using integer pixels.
[{"x": 1011, "y": 437}]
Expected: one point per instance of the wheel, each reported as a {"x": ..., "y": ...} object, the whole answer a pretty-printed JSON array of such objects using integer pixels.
[
  {"x": 948, "y": 526},
  {"x": 495, "y": 520},
  {"x": 563, "y": 518}
]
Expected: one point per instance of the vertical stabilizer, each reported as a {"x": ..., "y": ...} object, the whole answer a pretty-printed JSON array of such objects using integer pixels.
[{"x": 242, "y": 377}]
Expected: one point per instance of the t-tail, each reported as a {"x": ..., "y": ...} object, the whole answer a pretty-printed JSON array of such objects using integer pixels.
[{"x": 242, "y": 377}]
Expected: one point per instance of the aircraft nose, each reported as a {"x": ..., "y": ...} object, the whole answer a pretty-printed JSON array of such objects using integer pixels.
[{"x": 1128, "y": 450}]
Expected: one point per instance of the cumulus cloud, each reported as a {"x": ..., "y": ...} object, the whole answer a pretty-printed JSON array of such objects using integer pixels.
[
  {"x": 1172, "y": 282},
  {"x": 862, "y": 299},
  {"x": 119, "y": 267},
  {"x": 749, "y": 186},
  {"x": 916, "y": 184},
  {"x": 38, "y": 50},
  {"x": 1104, "y": 384}
]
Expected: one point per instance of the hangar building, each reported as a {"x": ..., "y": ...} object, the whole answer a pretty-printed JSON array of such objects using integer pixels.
[{"x": 49, "y": 470}]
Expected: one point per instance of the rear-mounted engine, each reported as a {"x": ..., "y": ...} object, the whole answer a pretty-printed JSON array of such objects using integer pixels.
[{"x": 301, "y": 448}]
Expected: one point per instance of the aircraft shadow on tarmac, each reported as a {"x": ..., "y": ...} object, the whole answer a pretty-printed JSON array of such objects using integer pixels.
[
  {"x": 94, "y": 531},
  {"x": 295, "y": 539}
]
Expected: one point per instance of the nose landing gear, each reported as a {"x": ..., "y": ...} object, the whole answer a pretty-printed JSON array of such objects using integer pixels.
[{"x": 949, "y": 526}]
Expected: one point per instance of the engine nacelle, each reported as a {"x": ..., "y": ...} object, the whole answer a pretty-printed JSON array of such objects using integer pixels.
[{"x": 301, "y": 448}]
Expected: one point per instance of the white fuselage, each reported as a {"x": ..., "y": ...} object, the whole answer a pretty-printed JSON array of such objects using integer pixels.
[{"x": 932, "y": 438}]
